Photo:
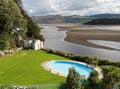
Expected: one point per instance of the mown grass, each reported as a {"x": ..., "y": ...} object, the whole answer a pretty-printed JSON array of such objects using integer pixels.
[{"x": 24, "y": 68}]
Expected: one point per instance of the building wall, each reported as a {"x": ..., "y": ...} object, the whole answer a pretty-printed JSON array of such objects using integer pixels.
[
  {"x": 38, "y": 45},
  {"x": 28, "y": 43},
  {"x": 34, "y": 44}
]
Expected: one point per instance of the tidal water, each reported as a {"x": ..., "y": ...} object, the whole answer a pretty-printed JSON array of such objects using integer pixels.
[
  {"x": 111, "y": 44},
  {"x": 54, "y": 39}
]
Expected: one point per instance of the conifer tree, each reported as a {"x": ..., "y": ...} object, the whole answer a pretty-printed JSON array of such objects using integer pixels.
[{"x": 73, "y": 80}]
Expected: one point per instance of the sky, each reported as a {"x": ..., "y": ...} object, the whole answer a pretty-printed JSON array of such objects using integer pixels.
[{"x": 71, "y": 7}]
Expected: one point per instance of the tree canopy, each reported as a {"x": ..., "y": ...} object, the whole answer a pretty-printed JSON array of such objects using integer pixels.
[
  {"x": 33, "y": 28},
  {"x": 73, "y": 80},
  {"x": 111, "y": 76},
  {"x": 10, "y": 19}
]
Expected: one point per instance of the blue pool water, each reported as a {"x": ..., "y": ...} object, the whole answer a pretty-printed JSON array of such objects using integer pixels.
[{"x": 63, "y": 67}]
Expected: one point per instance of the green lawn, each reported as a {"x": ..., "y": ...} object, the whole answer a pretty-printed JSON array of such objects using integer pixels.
[{"x": 24, "y": 68}]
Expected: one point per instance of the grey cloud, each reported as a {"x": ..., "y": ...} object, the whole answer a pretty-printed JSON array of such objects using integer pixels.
[
  {"x": 70, "y": 7},
  {"x": 74, "y": 4},
  {"x": 38, "y": 6}
]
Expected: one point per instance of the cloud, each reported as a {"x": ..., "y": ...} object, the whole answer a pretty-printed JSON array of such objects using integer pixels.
[
  {"x": 31, "y": 11},
  {"x": 71, "y": 7}
]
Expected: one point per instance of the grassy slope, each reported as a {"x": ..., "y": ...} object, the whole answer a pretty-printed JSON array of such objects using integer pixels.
[{"x": 24, "y": 68}]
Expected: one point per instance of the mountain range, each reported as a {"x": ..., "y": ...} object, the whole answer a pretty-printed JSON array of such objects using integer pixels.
[{"x": 72, "y": 18}]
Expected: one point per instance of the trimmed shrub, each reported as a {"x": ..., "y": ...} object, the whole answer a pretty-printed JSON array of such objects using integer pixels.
[{"x": 87, "y": 59}]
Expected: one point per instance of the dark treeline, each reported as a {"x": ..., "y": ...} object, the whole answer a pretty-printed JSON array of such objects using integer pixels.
[{"x": 105, "y": 21}]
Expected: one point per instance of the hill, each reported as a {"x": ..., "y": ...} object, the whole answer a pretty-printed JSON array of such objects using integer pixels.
[
  {"x": 72, "y": 18},
  {"x": 106, "y": 21},
  {"x": 100, "y": 16},
  {"x": 60, "y": 19},
  {"x": 48, "y": 19},
  {"x": 76, "y": 19}
]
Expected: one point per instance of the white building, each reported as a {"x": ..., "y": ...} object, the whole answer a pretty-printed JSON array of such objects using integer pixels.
[
  {"x": 37, "y": 44},
  {"x": 33, "y": 44}
]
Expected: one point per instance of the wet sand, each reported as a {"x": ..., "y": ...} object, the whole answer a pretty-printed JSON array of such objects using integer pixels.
[
  {"x": 62, "y": 24},
  {"x": 80, "y": 36}
]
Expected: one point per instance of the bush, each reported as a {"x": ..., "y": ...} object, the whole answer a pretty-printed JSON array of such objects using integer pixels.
[
  {"x": 111, "y": 76},
  {"x": 51, "y": 51},
  {"x": 117, "y": 86},
  {"x": 93, "y": 80},
  {"x": 60, "y": 53},
  {"x": 108, "y": 62},
  {"x": 105, "y": 62},
  {"x": 116, "y": 64},
  {"x": 62, "y": 86},
  {"x": 4, "y": 45}
]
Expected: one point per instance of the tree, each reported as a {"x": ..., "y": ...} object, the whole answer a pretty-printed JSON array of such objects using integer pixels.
[
  {"x": 33, "y": 28},
  {"x": 91, "y": 61},
  {"x": 4, "y": 45},
  {"x": 111, "y": 76},
  {"x": 73, "y": 80},
  {"x": 10, "y": 19},
  {"x": 92, "y": 82},
  {"x": 19, "y": 2},
  {"x": 6, "y": 22},
  {"x": 117, "y": 86}
]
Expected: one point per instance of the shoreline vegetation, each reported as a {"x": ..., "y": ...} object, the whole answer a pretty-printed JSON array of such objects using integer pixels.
[{"x": 86, "y": 59}]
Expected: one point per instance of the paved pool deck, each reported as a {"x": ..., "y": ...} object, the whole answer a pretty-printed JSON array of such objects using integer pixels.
[{"x": 45, "y": 66}]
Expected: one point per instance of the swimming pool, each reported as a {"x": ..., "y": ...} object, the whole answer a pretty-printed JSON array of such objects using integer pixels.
[{"x": 62, "y": 67}]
